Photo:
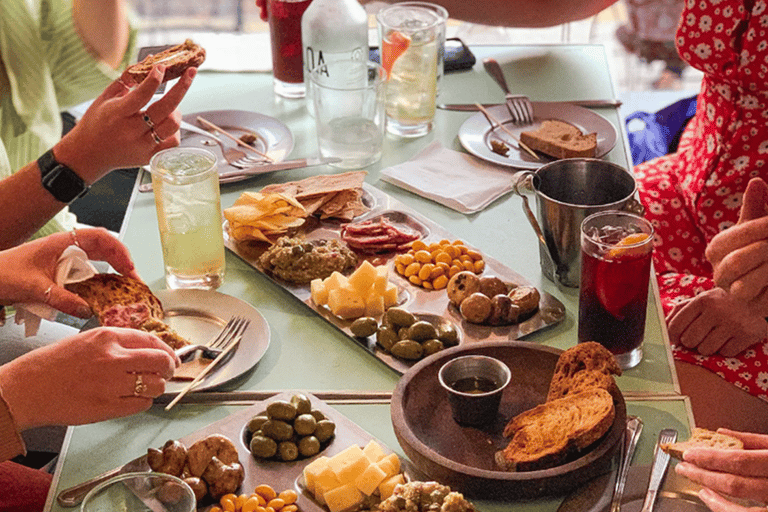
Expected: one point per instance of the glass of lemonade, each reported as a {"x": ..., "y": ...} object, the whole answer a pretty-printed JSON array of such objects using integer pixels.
[
  {"x": 188, "y": 201},
  {"x": 615, "y": 273},
  {"x": 412, "y": 36}
]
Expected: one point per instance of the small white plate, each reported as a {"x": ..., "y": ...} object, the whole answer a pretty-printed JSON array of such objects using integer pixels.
[
  {"x": 476, "y": 134},
  {"x": 274, "y": 137}
]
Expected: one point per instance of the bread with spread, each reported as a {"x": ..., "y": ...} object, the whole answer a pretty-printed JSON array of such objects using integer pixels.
[
  {"x": 176, "y": 59},
  {"x": 559, "y": 139},
  {"x": 703, "y": 438}
]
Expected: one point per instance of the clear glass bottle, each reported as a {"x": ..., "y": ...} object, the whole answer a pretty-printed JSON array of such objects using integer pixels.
[{"x": 332, "y": 30}]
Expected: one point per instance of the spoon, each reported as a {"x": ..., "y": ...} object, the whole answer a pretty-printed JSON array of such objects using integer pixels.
[{"x": 631, "y": 436}]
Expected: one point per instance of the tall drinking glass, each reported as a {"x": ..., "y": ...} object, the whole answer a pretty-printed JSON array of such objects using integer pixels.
[
  {"x": 615, "y": 272},
  {"x": 285, "y": 36},
  {"x": 412, "y": 38},
  {"x": 188, "y": 202}
]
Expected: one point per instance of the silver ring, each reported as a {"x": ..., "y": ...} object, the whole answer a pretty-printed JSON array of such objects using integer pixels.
[
  {"x": 155, "y": 136},
  {"x": 47, "y": 294},
  {"x": 148, "y": 120},
  {"x": 74, "y": 237},
  {"x": 139, "y": 387},
  {"x": 120, "y": 81}
]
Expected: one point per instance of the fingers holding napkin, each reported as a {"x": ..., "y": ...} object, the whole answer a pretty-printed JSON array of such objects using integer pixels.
[{"x": 456, "y": 180}]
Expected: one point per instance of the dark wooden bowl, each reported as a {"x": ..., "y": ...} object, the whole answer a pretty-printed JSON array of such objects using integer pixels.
[{"x": 463, "y": 457}]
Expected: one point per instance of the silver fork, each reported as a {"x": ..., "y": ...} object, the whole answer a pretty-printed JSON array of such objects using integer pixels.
[
  {"x": 211, "y": 349},
  {"x": 659, "y": 468},
  {"x": 519, "y": 106},
  {"x": 233, "y": 156}
]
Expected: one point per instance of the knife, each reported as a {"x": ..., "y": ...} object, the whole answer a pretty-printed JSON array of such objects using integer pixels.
[
  {"x": 264, "y": 169},
  {"x": 471, "y": 107},
  {"x": 74, "y": 495}
]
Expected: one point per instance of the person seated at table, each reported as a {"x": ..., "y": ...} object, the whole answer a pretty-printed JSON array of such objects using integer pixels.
[
  {"x": 92, "y": 376},
  {"x": 741, "y": 474}
]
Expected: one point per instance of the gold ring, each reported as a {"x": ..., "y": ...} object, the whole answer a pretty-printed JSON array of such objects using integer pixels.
[
  {"x": 139, "y": 387},
  {"x": 120, "y": 81},
  {"x": 74, "y": 237},
  {"x": 148, "y": 120},
  {"x": 155, "y": 136},
  {"x": 47, "y": 294}
]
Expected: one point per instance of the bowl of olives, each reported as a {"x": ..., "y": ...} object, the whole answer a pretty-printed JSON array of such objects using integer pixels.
[{"x": 288, "y": 430}]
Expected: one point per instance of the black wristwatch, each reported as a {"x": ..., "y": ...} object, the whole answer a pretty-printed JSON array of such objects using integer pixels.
[{"x": 60, "y": 180}]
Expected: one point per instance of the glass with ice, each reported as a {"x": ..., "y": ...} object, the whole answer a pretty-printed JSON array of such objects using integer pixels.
[
  {"x": 188, "y": 202},
  {"x": 412, "y": 36},
  {"x": 616, "y": 250}
]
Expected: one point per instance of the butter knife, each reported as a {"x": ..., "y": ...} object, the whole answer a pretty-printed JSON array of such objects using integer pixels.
[
  {"x": 631, "y": 436},
  {"x": 658, "y": 469},
  {"x": 74, "y": 495},
  {"x": 471, "y": 107},
  {"x": 264, "y": 169}
]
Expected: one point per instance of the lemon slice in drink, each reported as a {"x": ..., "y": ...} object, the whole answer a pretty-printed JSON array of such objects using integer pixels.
[
  {"x": 624, "y": 247},
  {"x": 392, "y": 48}
]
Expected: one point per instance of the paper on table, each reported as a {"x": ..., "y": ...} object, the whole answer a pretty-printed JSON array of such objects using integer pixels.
[
  {"x": 73, "y": 266},
  {"x": 453, "y": 179}
]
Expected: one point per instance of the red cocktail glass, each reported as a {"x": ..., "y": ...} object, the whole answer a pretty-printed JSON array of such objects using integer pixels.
[{"x": 285, "y": 35}]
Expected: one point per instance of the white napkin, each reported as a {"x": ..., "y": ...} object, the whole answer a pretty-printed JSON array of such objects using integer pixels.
[
  {"x": 73, "y": 266},
  {"x": 453, "y": 179}
]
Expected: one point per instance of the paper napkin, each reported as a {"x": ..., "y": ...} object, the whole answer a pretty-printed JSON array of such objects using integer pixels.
[
  {"x": 73, "y": 266},
  {"x": 453, "y": 179}
]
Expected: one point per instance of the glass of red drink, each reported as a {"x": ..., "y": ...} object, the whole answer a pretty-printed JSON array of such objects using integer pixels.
[
  {"x": 285, "y": 36},
  {"x": 616, "y": 250}
]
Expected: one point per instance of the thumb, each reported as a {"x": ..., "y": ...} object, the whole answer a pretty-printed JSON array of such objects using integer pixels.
[
  {"x": 69, "y": 303},
  {"x": 755, "y": 202}
]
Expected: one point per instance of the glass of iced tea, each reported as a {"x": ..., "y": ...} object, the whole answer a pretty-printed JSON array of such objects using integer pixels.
[
  {"x": 616, "y": 250},
  {"x": 412, "y": 36},
  {"x": 188, "y": 202},
  {"x": 285, "y": 35}
]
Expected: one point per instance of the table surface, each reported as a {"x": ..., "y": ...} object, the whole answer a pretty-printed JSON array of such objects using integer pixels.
[{"x": 308, "y": 353}]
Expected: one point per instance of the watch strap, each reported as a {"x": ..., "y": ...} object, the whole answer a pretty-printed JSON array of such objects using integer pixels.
[{"x": 58, "y": 179}]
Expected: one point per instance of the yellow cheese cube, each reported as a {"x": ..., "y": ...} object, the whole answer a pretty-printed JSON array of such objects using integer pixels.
[
  {"x": 325, "y": 481},
  {"x": 343, "y": 498},
  {"x": 319, "y": 292},
  {"x": 349, "y": 463},
  {"x": 381, "y": 280},
  {"x": 369, "y": 480},
  {"x": 374, "y": 451},
  {"x": 387, "y": 487},
  {"x": 390, "y": 464},
  {"x": 312, "y": 470},
  {"x": 346, "y": 303},
  {"x": 390, "y": 295},
  {"x": 374, "y": 304},
  {"x": 362, "y": 278},
  {"x": 335, "y": 280}
]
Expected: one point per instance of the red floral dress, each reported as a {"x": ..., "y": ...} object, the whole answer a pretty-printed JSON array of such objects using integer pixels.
[{"x": 695, "y": 193}]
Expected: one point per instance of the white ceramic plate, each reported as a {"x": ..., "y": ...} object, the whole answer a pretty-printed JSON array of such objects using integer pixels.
[
  {"x": 199, "y": 315},
  {"x": 476, "y": 134},
  {"x": 274, "y": 137}
]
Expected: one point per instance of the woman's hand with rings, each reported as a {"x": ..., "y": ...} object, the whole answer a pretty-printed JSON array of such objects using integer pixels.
[
  {"x": 27, "y": 271},
  {"x": 91, "y": 376},
  {"x": 119, "y": 130}
]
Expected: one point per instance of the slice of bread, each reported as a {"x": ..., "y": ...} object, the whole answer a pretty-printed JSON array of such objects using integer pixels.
[
  {"x": 559, "y": 139},
  {"x": 176, "y": 60},
  {"x": 581, "y": 367},
  {"x": 703, "y": 438},
  {"x": 546, "y": 435}
]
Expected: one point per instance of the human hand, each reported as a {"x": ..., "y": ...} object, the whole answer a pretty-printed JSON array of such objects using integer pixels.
[
  {"x": 88, "y": 377},
  {"x": 28, "y": 270},
  {"x": 739, "y": 254},
  {"x": 739, "y": 474},
  {"x": 262, "y": 5},
  {"x": 113, "y": 133},
  {"x": 715, "y": 322}
]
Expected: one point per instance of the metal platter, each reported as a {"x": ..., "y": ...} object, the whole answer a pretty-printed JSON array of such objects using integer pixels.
[{"x": 415, "y": 299}]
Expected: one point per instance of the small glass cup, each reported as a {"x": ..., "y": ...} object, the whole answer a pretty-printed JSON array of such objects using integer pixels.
[
  {"x": 187, "y": 198},
  {"x": 348, "y": 98},
  {"x": 616, "y": 249},
  {"x": 285, "y": 36},
  {"x": 141, "y": 492},
  {"x": 412, "y": 36},
  {"x": 474, "y": 385}
]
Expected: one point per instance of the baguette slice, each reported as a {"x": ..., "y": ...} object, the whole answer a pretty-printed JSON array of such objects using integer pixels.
[
  {"x": 559, "y": 139},
  {"x": 703, "y": 438},
  {"x": 546, "y": 435},
  {"x": 176, "y": 60},
  {"x": 584, "y": 366}
]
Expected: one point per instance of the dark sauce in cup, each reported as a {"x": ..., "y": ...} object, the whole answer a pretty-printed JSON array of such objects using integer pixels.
[{"x": 474, "y": 385}]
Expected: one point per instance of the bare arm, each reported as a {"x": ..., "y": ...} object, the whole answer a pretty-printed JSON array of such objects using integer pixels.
[{"x": 103, "y": 26}]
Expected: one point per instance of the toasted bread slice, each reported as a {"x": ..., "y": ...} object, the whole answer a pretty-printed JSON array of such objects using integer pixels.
[
  {"x": 584, "y": 366},
  {"x": 546, "y": 435},
  {"x": 559, "y": 139},
  {"x": 176, "y": 60},
  {"x": 702, "y": 438}
]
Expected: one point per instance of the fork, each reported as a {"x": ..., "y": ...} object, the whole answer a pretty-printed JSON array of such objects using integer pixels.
[
  {"x": 659, "y": 468},
  {"x": 519, "y": 106},
  {"x": 211, "y": 349},
  {"x": 233, "y": 156}
]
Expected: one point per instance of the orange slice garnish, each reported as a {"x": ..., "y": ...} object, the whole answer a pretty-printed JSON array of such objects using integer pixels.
[
  {"x": 392, "y": 48},
  {"x": 622, "y": 248}
]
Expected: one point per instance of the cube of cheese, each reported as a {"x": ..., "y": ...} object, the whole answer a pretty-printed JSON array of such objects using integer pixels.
[
  {"x": 319, "y": 292},
  {"x": 362, "y": 278},
  {"x": 335, "y": 280},
  {"x": 324, "y": 482},
  {"x": 346, "y": 303},
  {"x": 390, "y": 464},
  {"x": 343, "y": 498},
  {"x": 381, "y": 280},
  {"x": 312, "y": 470},
  {"x": 390, "y": 295},
  {"x": 387, "y": 487},
  {"x": 349, "y": 463},
  {"x": 374, "y": 304},
  {"x": 374, "y": 451},
  {"x": 368, "y": 481}
]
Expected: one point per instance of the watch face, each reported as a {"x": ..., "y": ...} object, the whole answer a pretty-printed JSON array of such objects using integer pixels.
[{"x": 60, "y": 180}]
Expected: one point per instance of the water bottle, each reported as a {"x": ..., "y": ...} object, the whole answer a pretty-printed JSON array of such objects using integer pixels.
[{"x": 332, "y": 30}]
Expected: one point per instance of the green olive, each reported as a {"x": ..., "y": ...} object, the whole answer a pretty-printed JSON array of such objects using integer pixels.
[
  {"x": 288, "y": 450},
  {"x": 281, "y": 410},
  {"x": 400, "y": 317},
  {"x": 386, "y": 337},
  {"x": 422, "y": 331},
  {"x": 263, "y": 447},
  {"x": 448, "y": 334},
  {"x": 309, "y": 446},
  {"x": 363, "y": 327},
  {"x": 432, "y": 346},
  {"x": 319, "y": 416},
  {"x": 302, "y": 404},
  {"x": 277, "y": 430},
  {"x": 254, "y": 425},
  {"x": 324, "y": 430},
  {"x": 304, "y": 424},
  {"x": 407, "y": 349}
]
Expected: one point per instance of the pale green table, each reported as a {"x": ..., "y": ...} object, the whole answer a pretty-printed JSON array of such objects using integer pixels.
[{"x": 308, "y": 353}]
